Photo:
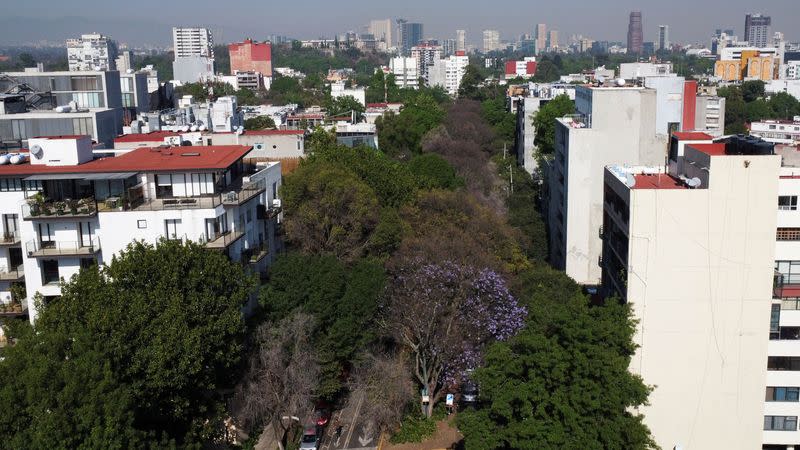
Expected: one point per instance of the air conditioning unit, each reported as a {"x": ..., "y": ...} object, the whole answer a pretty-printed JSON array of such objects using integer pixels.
[{"x": 276, "y": 203}]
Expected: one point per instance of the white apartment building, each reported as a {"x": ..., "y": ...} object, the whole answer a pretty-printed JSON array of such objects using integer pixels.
[
  {"x": 62, "y": 210},
  {"x": 461, "y": 40},
  {"x": 338, "y": 89},
  {"x": 777, "y": 131},
  {"x": 425, "y": 55},
  {"x": 194, "y": 54},
  {"x": 613, "y": 125},
  {"x": 691, "y": 249},
  {"x": 792, "y": 70},
  {"x": 405, "y": 72},
  {"x": 124, "y": 61},
  {"x": 632, "y": 71},
  {"x": 449, "y": 72},
  {"x": 710, "y": 115},
  {"x": 91, "y": 52}
]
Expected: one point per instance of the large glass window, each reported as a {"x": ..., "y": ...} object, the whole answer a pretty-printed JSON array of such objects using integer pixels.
[
  {"x": 10, "y": 184},
  {"x": 780, "y": 423},
  {"x": 789, "y": 271},
  {"x": 18, "y": 130},
  {"x": 49, "y": 271},
  {"x": 83, "y": 126},
  {"x": 783, "y": 363},
  {"x": 171, "y": 227},
  {"x": 783, "y": 394},
  {"x": 775, "y": 322},
  {"x": 787, "y": 203},
  {"x": 85, "y": 83}
]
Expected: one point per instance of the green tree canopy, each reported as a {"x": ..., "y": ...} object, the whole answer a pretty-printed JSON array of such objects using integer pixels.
[
  {"x": 401, "y": 134},
  {"x": 784, "y": 105},
  {"x": 155, "y": 336},
  {"x": 434, "y": 172},
  {"x": 345, "y": 105},
  {"x": 259, "y": 123},
  {"x": 735, "y": 114},
  {"x": 471, "y": 84},
  {"x": 545, "y": 122},
  {"x": 753, "y": 90}
]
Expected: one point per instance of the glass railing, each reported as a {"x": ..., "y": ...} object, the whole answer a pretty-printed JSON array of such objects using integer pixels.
[
  {"x": 10, "y": 238},
  {"x": 245, "y": 193},
  {"x": 62, "y": 248},
  {"x": 15, "y": 273}
]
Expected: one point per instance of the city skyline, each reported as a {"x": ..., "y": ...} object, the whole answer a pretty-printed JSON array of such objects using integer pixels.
[{"x": 246, "y": 18}]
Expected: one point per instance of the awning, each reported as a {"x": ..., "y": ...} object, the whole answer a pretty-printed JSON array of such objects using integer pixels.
[{"x": 82, "y": 176}]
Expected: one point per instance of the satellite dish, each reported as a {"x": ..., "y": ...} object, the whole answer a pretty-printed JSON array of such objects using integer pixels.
[
  {"x": 694, "y": 182},
  {"x": 630, "y": 180},
  {"x": 37, "y": 151}
]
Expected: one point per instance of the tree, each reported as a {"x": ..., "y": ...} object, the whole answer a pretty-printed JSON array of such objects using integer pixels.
[
  {"x": 784, "y": 105},
  {"x": 329, "y": 210},
  {"x": 163, "y": 335},
  {"x": 545, "y": 123},
  {"x": 757, "y": 110},
  {"x": 735, "y": 114},
  {"x": 342, "y": 299},
  {"x": 470, "y": 84},
  {"x": 345, "y": 105},
  {"x": 281, "y": 378},
  {"x": 445, "y": 314},
  {"x": 259, "y": 123},
  {"x": 383, "y": 384},
  {"x": 434, "y": 172},
  {"x": 401, "y": 134},
  {"x": 546, "y": 72},
  {"x": 562, "y": 382},
  {"x": 504, "y": 123},
  {"x": 752, "y": 90},
  {"x": 27, "y": 60}
]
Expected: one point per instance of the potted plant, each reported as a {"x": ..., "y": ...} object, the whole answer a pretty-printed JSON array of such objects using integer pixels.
[
  {"x": 73, "y": 206},
  {"x": 60, "y": 207}
]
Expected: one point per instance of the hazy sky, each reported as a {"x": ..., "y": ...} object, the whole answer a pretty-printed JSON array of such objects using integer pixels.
[{"x": 150, "y": 21}]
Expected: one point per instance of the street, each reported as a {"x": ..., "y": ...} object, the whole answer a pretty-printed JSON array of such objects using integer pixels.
[{"x": 357, "y": 432}]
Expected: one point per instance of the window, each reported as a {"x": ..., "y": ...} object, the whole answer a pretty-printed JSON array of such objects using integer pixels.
[
  {"x": 85, "y": 83},
  {"x": 783, "y": 394},
  {"x": 18, "y": 129},
  {"x": 164, "y": 186},
  {"x": 249, "y": 216},
  {"x": 141, "y": 224},
  {"x": 774, "y": 322},
  {"x": 780, "y": 423},
  {"x": 46, "y": 236},
  {"x": 49, "y": 271},
  {"x": 82, "y": 125},
  {"x": 788, "y": 234},
  {"x": 171, "y": 228},
  {"x": 10, "y": 184},
  {"x": 275, "y": 190},
  {"x": 783, "y": 363},
  {"x": 87, "y": 262},
  {"x": 787, "y": 203}
]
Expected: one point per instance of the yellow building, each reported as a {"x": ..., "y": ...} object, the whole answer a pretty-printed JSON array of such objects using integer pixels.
[{"x": 751, "y": 66}]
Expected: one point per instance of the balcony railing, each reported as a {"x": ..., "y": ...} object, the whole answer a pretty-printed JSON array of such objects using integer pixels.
[
  {"x": 14, "y": 308},
  {"x": 38, "y": 210},
  {"x": 221, "y": 241},
  {"x": 12, "y": 274},
  {"x": 10, "y": 239},
  {"x": 248, "y": 191},
  {"x": 256, "y": 254},
  {"x": 62, "y": 248}
]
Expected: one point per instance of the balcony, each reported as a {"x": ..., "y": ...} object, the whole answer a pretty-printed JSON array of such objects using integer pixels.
[
  {"x": 10, "y": 239},
  {"x": 51, "y": 249},
  {"x": 12, "y": 274},
  {"x": 256, "y": 254},
  {"x": 245, "y": 193},
  {"x": 222, "y": 241},
  {"x": 14, "y": 309},
  {"x": 38, "y": 209}
]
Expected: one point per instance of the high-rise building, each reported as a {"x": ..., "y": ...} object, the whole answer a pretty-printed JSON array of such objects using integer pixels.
[
  {"x": 692, "y": 249},
  {"x": 635, "y": 36},
  {"x": 425, "y": 55},
  {"x": 461, "y": 40},
  {"x": 756, "y": 30},
  {"x": 405, "y": 72},
  {"x": 91, "y": 52},
  {"x": 123, "y": 61},
  {"x": 411, "y": 33},
  {"x": 382, "y": 31},
  {"x": 552, "y": 41},
  {"x": 491, "y": 41},
  {"x": 449, "y": 72},
  {"x": 449, "y": 47},
  {"x": 541, "y": 37},
  {"x": 663, "y": 37},
  {"x": 249, "y": 56},
  {"x": 194, "y": 54}
]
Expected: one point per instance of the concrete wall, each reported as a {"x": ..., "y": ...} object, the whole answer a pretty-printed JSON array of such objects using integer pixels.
[{"x": 700, "y": 282}]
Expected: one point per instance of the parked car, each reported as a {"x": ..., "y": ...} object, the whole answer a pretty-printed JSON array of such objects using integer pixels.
[
  {"x": 322, "y": 416},
  {"x": 310, "y": 439}
]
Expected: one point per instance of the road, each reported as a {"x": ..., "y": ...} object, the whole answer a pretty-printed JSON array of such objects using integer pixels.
[{"x": 357, "y": 432}]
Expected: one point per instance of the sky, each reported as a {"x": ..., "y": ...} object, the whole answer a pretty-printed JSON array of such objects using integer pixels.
[{"x": 138, "y": 22}]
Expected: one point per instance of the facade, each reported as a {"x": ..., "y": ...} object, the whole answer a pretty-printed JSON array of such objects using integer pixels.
[
  {"x": 73, "y": 211},
  {"x": 672, "y": 103},
  {"x": 91, "y": 52},
  {"x": 613, "y": 125},
  {"x": 632, "y": 71},
  {"x": 491, "y": 41},
  {"x": 757, "y": 30},
  {"x": 461, "y": 40},
  {"x": 541, "y": 38},
  {"x": 777, "y": 131},
  {"x": 663, "y": 37},
  {"x": 410, "y": 35},
  {"x": 710, "y": 115},
  {"x": 552, "y": 40},
  {"x": 635, "y": 34},
  {"x": 425, "y": 56},
  {"x": 405, "y": 72},
  {"x": 194, "y": 54},
  {"x": 746, "y": 64},
  {"x": 449, "y": 72},
  {"x": 524, "y": 69},
  {"x": 249, "y": 56},
  {"x": 692, "y": 251},
  {"x": 123, "y": 61},
  {"x": 338, "y": 90},
  {"x": 134, "y": 91}
]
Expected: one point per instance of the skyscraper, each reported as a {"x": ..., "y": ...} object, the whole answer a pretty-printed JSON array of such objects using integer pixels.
[
  {"x": 382, "y": 30},
  {"x": 410, "y": 34},
  {"x": 635, "y": 37},
  {"x": 91, "y": 52},
  {"x": 194, "y": 54},
  {"x": 756, "y": 30},
  {"x": 491, "y": 40},
  {"x": 461, "y": 40},
  {"x": 663, "y": 37},
  {"x": 541, "y": 38},
  {"x": 552, "y": 42}
]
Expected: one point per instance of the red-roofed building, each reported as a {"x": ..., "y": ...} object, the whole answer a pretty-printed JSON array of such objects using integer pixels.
[
  {"x": 249, "y": 56},
  {"x": 63, "y": 208},
  {"x": 522, "y": 69}
]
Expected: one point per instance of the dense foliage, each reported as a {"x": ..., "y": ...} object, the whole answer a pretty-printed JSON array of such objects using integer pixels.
[
  {"x": 545, "y": 123},
  {"x": 749, "y": 102},
  {"x": 401, "y": 134},
  {"x": 135, "y": 349}
]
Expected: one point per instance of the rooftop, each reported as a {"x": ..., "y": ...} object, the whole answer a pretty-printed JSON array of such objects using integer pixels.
[
  {"x": 716, "y": 149},
  {"x": 153, "y": 136},
  {"x": 692, "y": 136},
  {"x": 144, "y": 159},
  {"x": 657, "y": 181}
]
